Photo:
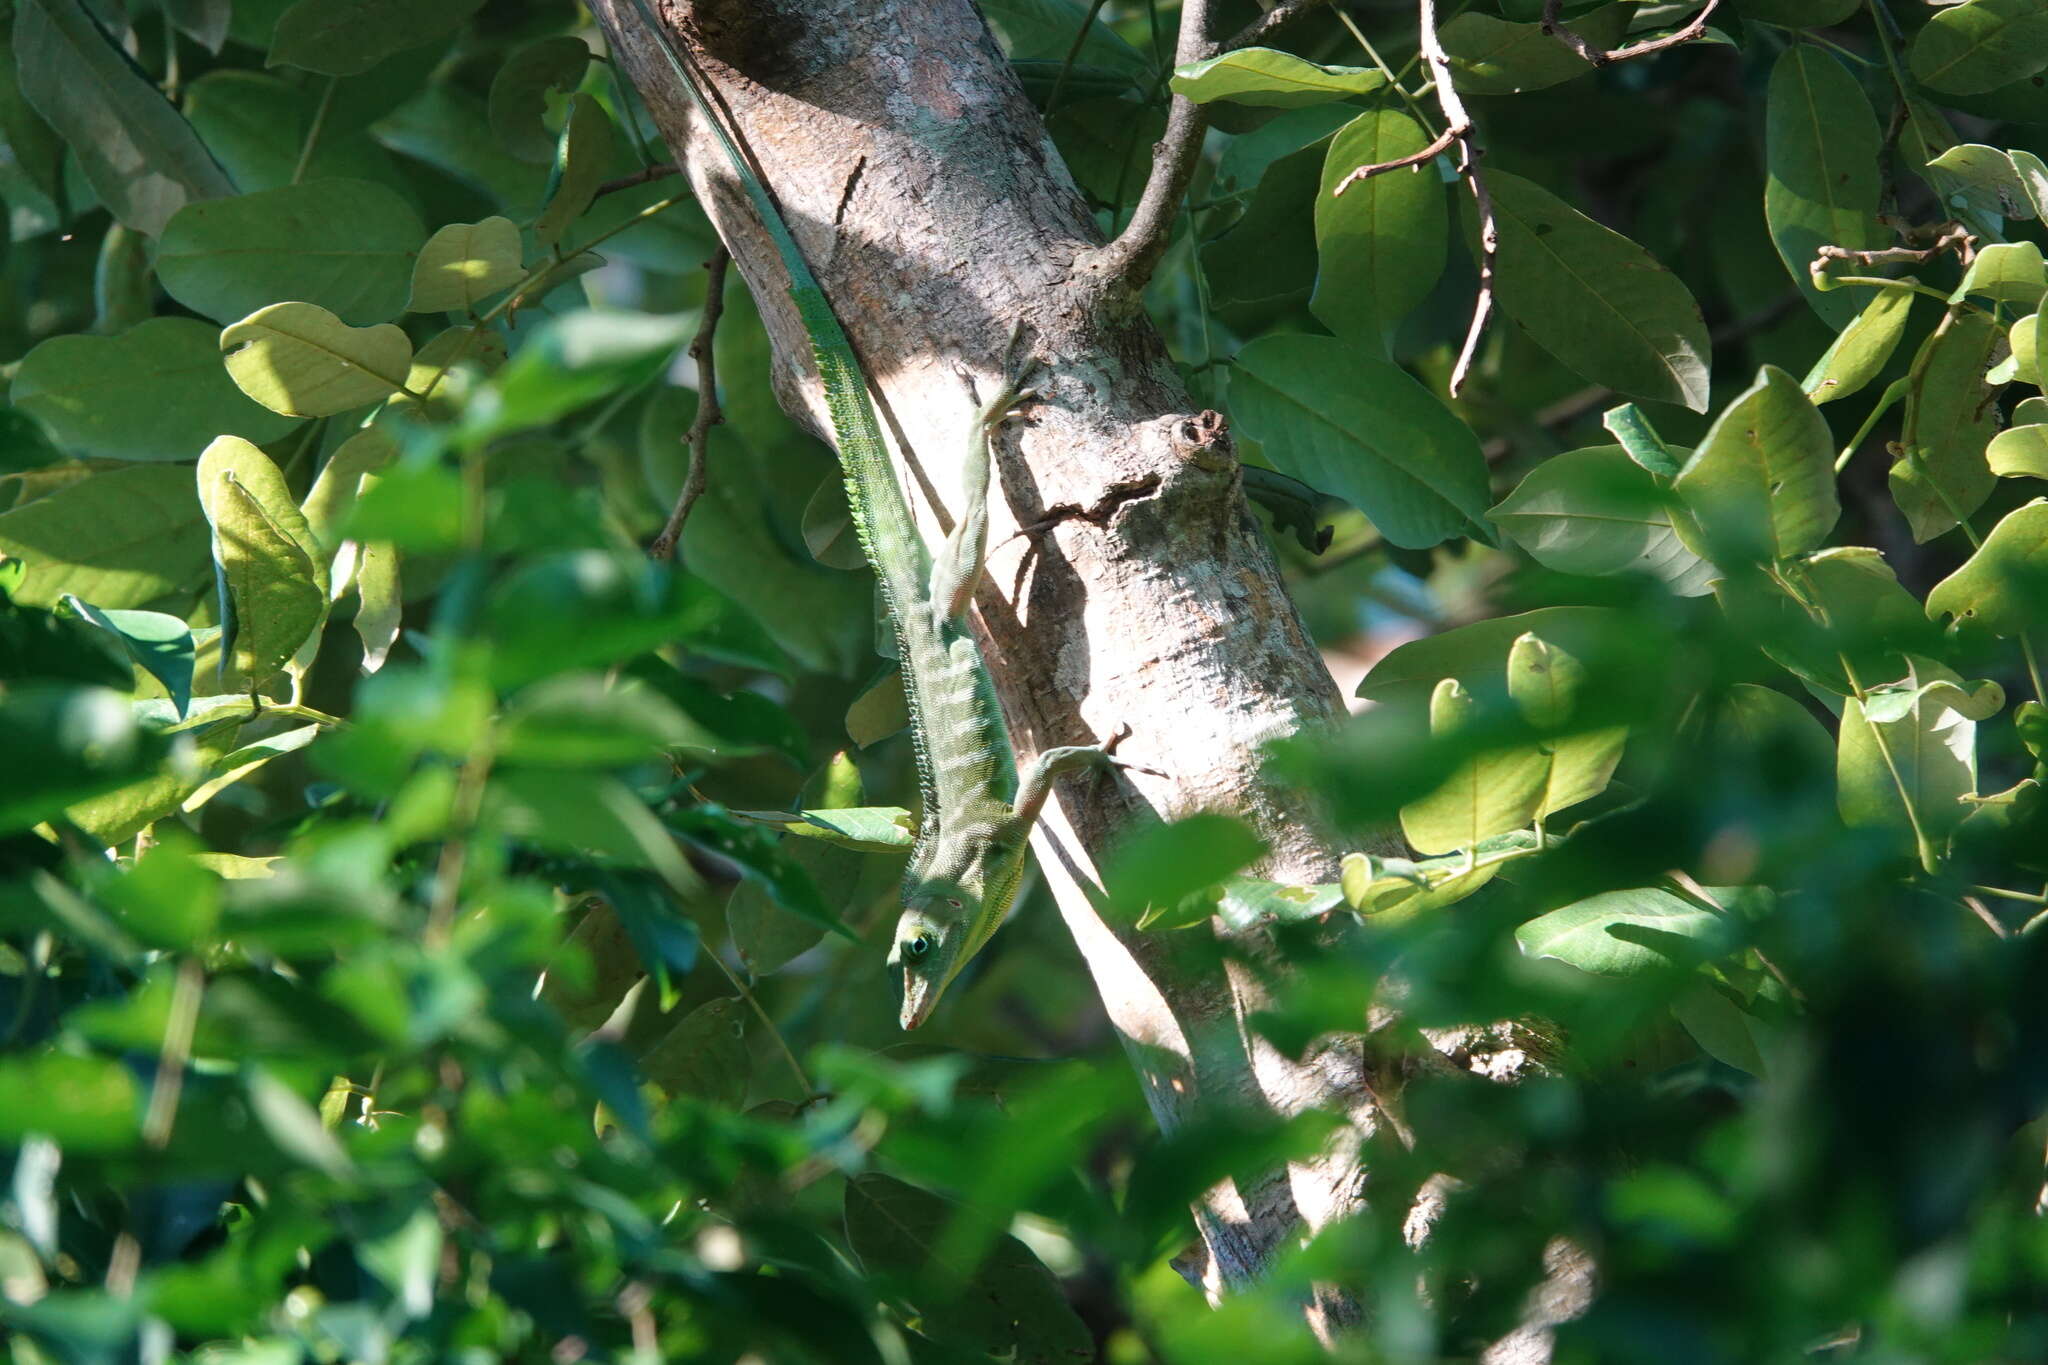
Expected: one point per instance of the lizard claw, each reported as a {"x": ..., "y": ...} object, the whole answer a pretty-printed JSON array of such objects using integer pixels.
[{"x": 1123, "y": 732}]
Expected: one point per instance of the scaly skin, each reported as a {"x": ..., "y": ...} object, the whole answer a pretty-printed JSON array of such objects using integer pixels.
[{"x": 969, "y": 856}]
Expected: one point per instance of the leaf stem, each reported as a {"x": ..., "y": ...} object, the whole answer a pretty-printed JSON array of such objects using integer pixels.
[
  {"x": 313, "y": 133},
  {"x": 773, "y": 1032}
]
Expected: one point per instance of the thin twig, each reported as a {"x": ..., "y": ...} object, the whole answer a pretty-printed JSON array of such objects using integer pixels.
[
  {"x": 171, "y": 1058},
  {"x": 660, "y": 170},
  {"x": 1263, "y": 27},
  {"x": 708, "y": 414},
  {"x": 1601, "y": 56},
  {"x": 1950, "y": 237},
  {"x": 1435, "y": 149},
  {"x": 1459, "y": 127}
]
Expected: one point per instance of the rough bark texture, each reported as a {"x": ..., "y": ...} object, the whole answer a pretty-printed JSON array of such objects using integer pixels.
[{"x": 920, "y": 185}]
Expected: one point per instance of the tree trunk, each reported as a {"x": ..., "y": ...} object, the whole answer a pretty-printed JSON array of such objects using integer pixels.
[{"x": 922, "y": 188}]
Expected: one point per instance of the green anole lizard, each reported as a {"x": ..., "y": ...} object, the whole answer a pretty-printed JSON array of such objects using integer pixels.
[{"x": 977, "y": 812}]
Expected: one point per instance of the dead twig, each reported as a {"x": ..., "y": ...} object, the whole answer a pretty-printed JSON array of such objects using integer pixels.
[
  {"x": 1602, "y": 56},
  {"x": 1950, "y": 236},
  {"x": 1459, "y": 128},
  {"x": 1263, "y": 27},
  {"x": 660, "y": 170},
  {"x": 708, "y": 413}
]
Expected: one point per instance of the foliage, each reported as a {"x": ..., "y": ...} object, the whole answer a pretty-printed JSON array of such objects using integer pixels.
[{"x": 422, "y": 918}]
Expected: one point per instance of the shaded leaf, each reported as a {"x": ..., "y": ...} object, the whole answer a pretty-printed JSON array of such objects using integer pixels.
[
  {"x": 1596, "y": 511},
  {"x": 1762, "y": 483},
  {"x": 122, "y": 538},
  {"x": 1821, "y": 148},
  {"x": 273, "y": 576},
  {"x": 1267, "y": 78},
  {"x": 1492, "y": 56},
  {"x": 520, "y": 90},
  {"x": 581, "y": 158},
  {"x": 704, "y": 1055},
  {"x": 1594, "y": 299},
  {"x": 159, "y": 644},
  {"x": 1380, "y": 244},
  {"x": 1980, "y": 45},
  {"x": 348, "y": 37},
  {"x": 1949, "y": 420},
  {"x": 1627, "y": 933},
  {"x": 1859, "y": 354}
]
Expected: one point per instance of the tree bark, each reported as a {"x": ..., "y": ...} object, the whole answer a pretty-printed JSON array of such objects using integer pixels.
[{"x": 921, "y": 186}]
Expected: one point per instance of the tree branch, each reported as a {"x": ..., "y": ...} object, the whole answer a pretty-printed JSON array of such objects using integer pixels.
[
  {"x": 708, "y": 413},
  {"x": 660, "y": 170},
  {"x": 1459, "y": 127},
  {"x": 1263, "y": 27},
  {"x": 1601, "y": 56}
]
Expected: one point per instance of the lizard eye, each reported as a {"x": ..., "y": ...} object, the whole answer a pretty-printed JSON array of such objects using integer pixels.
[
  {"x": 955, "y": 904},
  {"x": 915, "y": 948}
]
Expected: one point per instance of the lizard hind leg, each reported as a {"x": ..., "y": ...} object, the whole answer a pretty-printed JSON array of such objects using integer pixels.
[
  {"x": 956, "y": 571},
  {"x": 1034, "y": 784}
]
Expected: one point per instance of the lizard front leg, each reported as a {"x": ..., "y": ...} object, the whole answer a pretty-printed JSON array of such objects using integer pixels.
[{"x": 957, "y": 570}]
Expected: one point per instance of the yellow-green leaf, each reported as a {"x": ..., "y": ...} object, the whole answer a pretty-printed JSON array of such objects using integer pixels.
[
  {"x": 464, "y": 263},
  {"x": 272, "y": 574},
  {"x": 301, "y": 360},
  {"x": 1762, "y": 483},
  {"x": 1489, "y": 792},
  {"x": 581, "y": 157},
  {"x": 1271, "y": 79},
  {"x": 2004, "y": 585}
]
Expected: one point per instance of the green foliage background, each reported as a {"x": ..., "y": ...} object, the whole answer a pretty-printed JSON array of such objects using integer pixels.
[{"x": 406, "y": 948}]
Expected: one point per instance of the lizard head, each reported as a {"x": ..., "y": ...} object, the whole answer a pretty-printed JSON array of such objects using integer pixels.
[{"x": 927, "y": 948}]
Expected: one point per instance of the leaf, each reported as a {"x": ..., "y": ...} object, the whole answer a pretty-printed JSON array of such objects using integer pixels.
[
  {"x": 1245, "y": 903},
  {"x": 1627, "y": 933},
  {"x": 256, "y": 124},
  {"x": 1159, "y": 865},
  {"x": 1549, "y": 686},
  {"x": 1861, "y": 351},
  {"x": 2008, "y": 272},
  {"x": 245, "y": 761},
  {"x": 2004, "y": 585},
  {"x": 1005, "y": 1304},
  {"x": 156, "y": 392},
  {"x": 381, "y": 606},
  {"x": 119, "y": 539},
  {"x": 334, "y": 491},
  {"x": 62, "y": 745},
  {"x": 273, "y": 576},
  {"x": 1380, "y": 244},
  {"x": 1974, "y": 175},
  {"x": 464, "y": 263},
  {"x": 577, "y": 720},
  {"x": 872, "y": 829},
  {"x": 581, "y": 158},
  {"x": 36, "y": 150},
  {"x": 88, "y": 1106},
  {"x": 1762, "y": 483},
  {"x": 1914, "y": 743},
  {"x": 1594, "y": 299},
  {"x": 520, "y": 90},
  {"x": 1597, "y": 512},
  {"x": 294, "y": 1126},
  {"x": 1644, "y": 446},
  {"x": 1382, "y": 886},
  {"x": 2029, "y": 346},
  {"x": 1949, "y": 420},
  {"x": 205, "y": 22},
  {"x": 1719, "y": 1026},
  {"x": 140, "y": 157},
  {"x": 1492, "y": 56},
  {"x": 344, "y": 245},
  {"x": 1269, "y": 79},
  {"x": 828, "y": 528},
  {"x": 1363, "y": 430},
  {"x": 1980, "y": 45},
  {"x": 704, "y": 1055},
  {"x": 2019, "y": 452},
  {"x": 1477, "y": 654},
  {"x": 300, "y": 359},
  {"x": 160, "y": 645},
  {"x": 348, "y": 37},
  {"x": 1489, "y": 793},
  {"x": 1269, "y": 252},
  {"x": 768, "y": 937},
  {"x": 1821, "y": 149}
]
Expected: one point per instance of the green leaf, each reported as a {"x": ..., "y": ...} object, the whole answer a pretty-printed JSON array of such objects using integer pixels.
[
  {"x": 581, "y": 157},
  {"x": 465, "y": 263},
  {"x": 1594, "y": 299},
  {"x": 1106, "y": 143},
  {"x": 118, "y": 539},
  {"x": 1974, "y": 175},
  {"x": 1644, "y": 446},
  {"x": 520, "y": 90},
  {"x": 380, "y": 607},
  {"x": 870, "y": 829},
  {"x": 160, "y": 645},
  {"x": 300, "y": 359},
  {"x": 1762, "y": 483},
  {"x": 156, "y": 392},
  {"x": 1721, "y": 1028},
  {"x": 1821, "y": 148},
  {"x": 1269, "y": 252},
  {"x": 344, "y": 245},
  {"x": 1270, "y": 79},
  {"x": 760, "y": 859},
  {"x": 88, "y": 1106},
  {"x": 577, "y": 720},
  {"x": 2008, "y": 272},
  {"x": 62, "y": 745},
  {"x": 1627, "y": 933},
  {"x": 1798, "y": 13},
  {"x": 1363, "y": 430},
  {"x": 704, "y": 1055},
  {"x": 1980, "y": 45},
  {"x": 1380, "y": 244},
  {"x": 37, "y": 151},
  {"x": 348, "y": 37},
  {"x": 881, "y": 710},
  {"x": 273, "y": 575},
  {"x": 1860, "y": 353},
  {"x": 1548, "y": 686},
  {"x": 2020, "y": 452},
  {"x": 1005, "y": 1304},
  {"x": 1857, "y": 611},
  {"x": 571, "y": 361},
  {"x": 1912, "y": 746},
  {"x": 1597, "y": 512},
  {"x": 256, "y": 124},
  {"x": 242, "y": 762},
  {"x": 1486, "y": 794},
  {"x": 2029, "y": 338},
  {"x": 1158, "y": 866},
  {"x": 141, "y": 158},
  {"x": 1477, "y": 654},
  {"x": 2004, "y": 585},
  {"x": 1950, "y": 417},
  {"x": 766, "y": 936},
  {"x": 294, "y": 1126},
  {"x": 1244, "y": 903},
  {"x": 1492, "y": 56},
  {"x": 1382, "y": 886},
  {"x": 334, "y": 491}
]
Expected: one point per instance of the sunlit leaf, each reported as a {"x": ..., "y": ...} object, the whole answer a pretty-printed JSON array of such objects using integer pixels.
[{"x": 1264, "y": 77}]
